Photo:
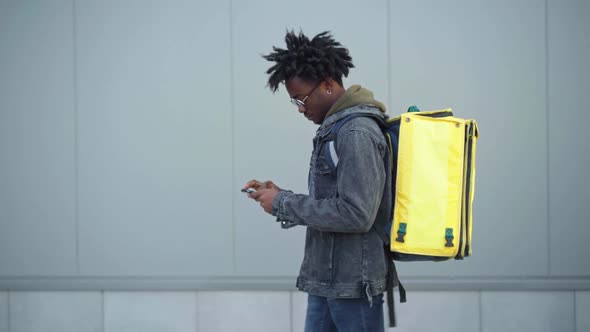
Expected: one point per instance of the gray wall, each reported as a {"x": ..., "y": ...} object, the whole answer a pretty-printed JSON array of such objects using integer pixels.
[{"x": 128, "y": 127}]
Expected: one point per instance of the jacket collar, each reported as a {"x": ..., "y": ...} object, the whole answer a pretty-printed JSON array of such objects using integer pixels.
[{"x": 362, "y": 108}]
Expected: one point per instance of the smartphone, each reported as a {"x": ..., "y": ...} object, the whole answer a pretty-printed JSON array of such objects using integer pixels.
[{"x": 248, "y": 191}]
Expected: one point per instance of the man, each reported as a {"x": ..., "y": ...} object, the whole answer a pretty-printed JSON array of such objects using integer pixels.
[{"x": 345, "y": 268}]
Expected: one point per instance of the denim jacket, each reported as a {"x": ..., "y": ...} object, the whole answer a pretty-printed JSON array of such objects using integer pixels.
[{"x": 344, "y": 256}]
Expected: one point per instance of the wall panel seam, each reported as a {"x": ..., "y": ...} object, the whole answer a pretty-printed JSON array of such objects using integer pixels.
[
  {"x": 76, "y": 157},
  {"x": 233, "y": 136},
  {"x": 575, "y": 311},
  {"x": 8, "y": 318},
  {"x": 388, "y": 43},
  {"x": 480, "y": 310},
  {"x": 547, "y": 132}
]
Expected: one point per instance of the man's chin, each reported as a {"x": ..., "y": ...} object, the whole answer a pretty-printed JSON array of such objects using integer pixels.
[{"x": 313, "y": 120}]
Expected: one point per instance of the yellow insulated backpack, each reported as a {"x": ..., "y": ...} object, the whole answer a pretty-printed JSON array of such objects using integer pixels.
[
  {"x": 434, "y": 186},
  {"x": 432, "y": 172}
]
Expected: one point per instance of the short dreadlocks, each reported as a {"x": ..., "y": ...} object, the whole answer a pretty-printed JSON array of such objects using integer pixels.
[{"x": 312, "y": 60}]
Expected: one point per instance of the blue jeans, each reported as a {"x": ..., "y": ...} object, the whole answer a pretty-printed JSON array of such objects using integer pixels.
[{"x": 340, "y": 315}]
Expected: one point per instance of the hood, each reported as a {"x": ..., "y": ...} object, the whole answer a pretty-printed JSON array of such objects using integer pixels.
[{"x": 355, "y": 95}]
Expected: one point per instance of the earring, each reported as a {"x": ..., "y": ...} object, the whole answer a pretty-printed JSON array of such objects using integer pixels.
[{"x": 329, "y": 92}]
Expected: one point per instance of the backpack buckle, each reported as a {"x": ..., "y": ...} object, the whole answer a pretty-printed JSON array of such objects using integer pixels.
[
  {"x": 449, "y": 237},
  {"x": 401, "y": 232}
]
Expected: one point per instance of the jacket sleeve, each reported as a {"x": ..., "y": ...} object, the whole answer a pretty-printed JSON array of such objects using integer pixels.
[{"x": 360, "y": 184}]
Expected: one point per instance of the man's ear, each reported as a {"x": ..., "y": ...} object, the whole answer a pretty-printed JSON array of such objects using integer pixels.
[{"x": 330, "y": 85}]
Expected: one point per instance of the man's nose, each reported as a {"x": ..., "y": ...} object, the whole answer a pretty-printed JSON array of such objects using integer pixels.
[{"x": 301, "y": 109}]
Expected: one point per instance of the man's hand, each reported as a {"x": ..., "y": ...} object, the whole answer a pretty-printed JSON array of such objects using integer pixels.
[
  {"x": 255, "y": 184},
  {"x": 265, "y": 193}
]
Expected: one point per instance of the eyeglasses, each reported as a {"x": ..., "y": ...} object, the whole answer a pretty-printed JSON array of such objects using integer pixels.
[{"x": 301, "y": 103}]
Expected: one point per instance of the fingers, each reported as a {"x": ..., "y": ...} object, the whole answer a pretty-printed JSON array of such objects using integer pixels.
[
  {"x": 253, "y": 184},
  {"x": 259, "y": 194},
  {"x": 255, "y": 195},
  {"x": 258, "y": 185},
  {"x": 271, "y": 185}
]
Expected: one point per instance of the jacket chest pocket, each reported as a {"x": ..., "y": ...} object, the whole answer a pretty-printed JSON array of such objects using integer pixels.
[{"x": 324, "y": 174}]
